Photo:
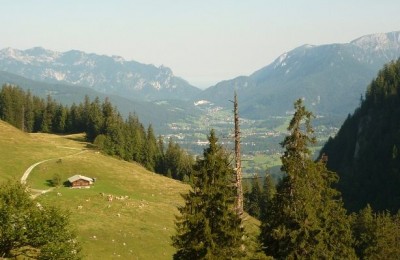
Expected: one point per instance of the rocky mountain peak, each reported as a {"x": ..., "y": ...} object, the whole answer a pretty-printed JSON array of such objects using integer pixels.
[{"x": 379, "y": 41}]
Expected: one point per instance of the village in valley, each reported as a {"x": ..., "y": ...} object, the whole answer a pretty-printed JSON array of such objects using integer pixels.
[{"x": 260, "y": 139}]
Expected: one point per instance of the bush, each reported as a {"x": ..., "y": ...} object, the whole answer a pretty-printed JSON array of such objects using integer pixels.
[{"x": 56, "y": 180}]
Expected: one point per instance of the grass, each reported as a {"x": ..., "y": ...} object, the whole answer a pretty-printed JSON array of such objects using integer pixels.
[
  {"x": 136, "y": 227},
  {"x": 254, "y": 162},
  {"x": 283, "y": 127},
  {"x": 139, "y": 226},
  {"x": 19, "y": 150}
]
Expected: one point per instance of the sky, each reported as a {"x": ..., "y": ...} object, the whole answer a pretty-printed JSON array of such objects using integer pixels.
[{"x": 202, "y": 41}]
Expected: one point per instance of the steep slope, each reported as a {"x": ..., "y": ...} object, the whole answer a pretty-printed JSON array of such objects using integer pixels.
[
  {"x": 330, "y": 77},
  {"x": 110, "y": 75},
  {"x": 159, "y": 114},
  {"x": 365, "y": 152}
]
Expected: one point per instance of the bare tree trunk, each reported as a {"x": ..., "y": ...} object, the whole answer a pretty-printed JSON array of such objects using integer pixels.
[{"x": 239, "y": 199}]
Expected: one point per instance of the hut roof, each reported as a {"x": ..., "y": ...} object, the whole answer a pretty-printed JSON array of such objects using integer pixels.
[{"x": 79, "y": 177}]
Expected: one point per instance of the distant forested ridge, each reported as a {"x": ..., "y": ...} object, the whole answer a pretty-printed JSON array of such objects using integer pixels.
[
  {"x": 103, "y": 126},
  {"x": 365, "y": 152}
]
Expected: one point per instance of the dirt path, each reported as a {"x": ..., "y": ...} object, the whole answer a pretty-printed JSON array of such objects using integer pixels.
[{"x": 29, "y": 170}]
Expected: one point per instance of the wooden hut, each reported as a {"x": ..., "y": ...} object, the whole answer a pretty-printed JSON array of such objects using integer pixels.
[{"x": 79, "y": 181}]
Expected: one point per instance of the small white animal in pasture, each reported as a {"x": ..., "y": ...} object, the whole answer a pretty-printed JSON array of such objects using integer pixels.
[
  {"x": 110, "y": 197},
  {"x": 39, "y": 206}
]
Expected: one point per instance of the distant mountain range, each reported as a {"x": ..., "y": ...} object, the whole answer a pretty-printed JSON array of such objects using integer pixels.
[
  {"x": 110, "y": 75},
  {"x": 331, "y": 78}
]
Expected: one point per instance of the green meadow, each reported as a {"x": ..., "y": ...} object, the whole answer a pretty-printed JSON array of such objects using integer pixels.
[{"x": 136, "y": 224}]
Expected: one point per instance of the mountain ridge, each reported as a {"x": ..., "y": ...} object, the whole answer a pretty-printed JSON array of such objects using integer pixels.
[
  {"x": 107, "y": 74},
  {"x": 330, "y": 77},
  {"x": 323, "y": 75}
]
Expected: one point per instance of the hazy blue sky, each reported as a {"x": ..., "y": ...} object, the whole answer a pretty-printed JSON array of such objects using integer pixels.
[{"x": 202, "y": 41}]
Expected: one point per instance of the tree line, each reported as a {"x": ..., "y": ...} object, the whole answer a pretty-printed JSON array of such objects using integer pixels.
[{"x": 103, "y": 126}]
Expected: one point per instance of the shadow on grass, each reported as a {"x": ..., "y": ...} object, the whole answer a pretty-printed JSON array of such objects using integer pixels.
[
  {"x": 91, "y": 146},
  {"x": 49, "y": 183},
  {"x": 80, "y": 139}
]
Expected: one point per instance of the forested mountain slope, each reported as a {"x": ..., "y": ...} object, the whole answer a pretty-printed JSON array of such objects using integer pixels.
[{"x": 365, "y": 153}]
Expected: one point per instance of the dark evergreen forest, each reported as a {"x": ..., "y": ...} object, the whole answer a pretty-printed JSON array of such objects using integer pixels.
[{"x": 365, "y": 152}]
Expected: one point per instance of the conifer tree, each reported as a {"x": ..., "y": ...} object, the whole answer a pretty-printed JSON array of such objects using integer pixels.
[
  {"x": 151, "y": 152},
  {"x": 136, "y": 135},
  {"x": 208, "y": 227},
  {"x": 377, "y": 235},
  {"x": 254, "y": 198},
  {"x": 160, "y": 162},
  {"x": 306, "y": 218},
  {"x": 60, "y": 119},
  {"x": 29, "y": 115},
  {"x": 94, "y": 119},
  {"x": 267, "y": 194}
]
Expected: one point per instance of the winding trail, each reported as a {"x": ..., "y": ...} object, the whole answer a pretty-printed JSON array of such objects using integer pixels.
[{"x": 29, "y": 170}]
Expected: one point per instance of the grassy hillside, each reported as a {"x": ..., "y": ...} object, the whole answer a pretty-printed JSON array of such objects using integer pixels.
[
  {"x": 19, "y": 150},
  {"x": 138, "y": 226}
]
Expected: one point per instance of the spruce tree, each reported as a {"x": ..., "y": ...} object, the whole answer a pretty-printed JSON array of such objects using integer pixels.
[
  {"x": 254, "y": 198},
  {"x": 94, "y": 123},
  {"x": 29, "y": 115},
  {"x": 377, "y": 234},
  {"x": 208, "y": 226},
  {"x": 151, "y": 152},
  {"x": 306, "y": 218},
  {"x": 136, "y": 136},
  {"x": 267, "y": 194},
  {"x": 160, "y": 162}
]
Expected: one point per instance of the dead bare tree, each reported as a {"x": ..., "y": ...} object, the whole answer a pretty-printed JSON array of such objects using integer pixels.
[{"x": 238, "y": 160}]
